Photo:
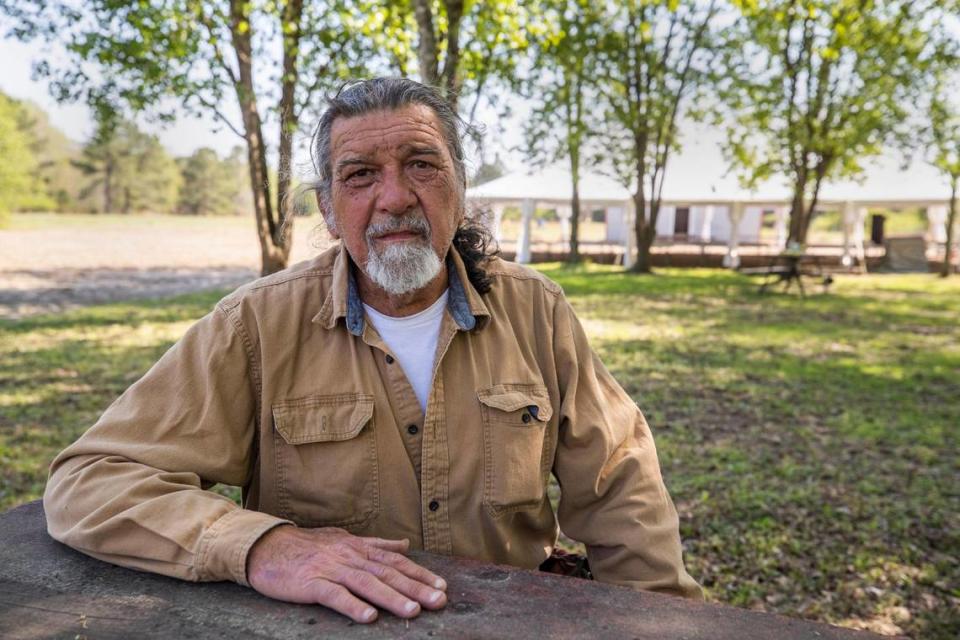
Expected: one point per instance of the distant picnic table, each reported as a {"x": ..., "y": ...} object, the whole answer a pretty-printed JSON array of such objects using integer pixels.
[{"x": 788, "y": 267}]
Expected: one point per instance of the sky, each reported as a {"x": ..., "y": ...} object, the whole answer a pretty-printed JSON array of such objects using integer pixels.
[
  {"x": 699, "y": 165},
  {"x": 187, "y": 135}
]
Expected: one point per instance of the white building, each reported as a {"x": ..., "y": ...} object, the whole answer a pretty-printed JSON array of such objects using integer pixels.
[{"x": 702, "y": 209}]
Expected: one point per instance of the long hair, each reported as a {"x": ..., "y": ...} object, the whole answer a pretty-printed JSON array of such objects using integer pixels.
[{"x": 476, "y": 245}]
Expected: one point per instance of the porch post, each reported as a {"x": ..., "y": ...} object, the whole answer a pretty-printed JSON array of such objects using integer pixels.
[
  {"x": 732, "y": 259},
  {"x": 937, "y": 219},
  {"x": 706, "y": 223},
  {"x": 497, "y": 220},
  {"x": 523, "y": 242},
  {"x": 780, "y": 226},
  {"x": 848, "y": 221},
  {"x": 629, "y": 240}
]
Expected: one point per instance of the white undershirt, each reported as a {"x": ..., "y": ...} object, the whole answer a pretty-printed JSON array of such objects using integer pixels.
[{"x": 413, "y": 340}]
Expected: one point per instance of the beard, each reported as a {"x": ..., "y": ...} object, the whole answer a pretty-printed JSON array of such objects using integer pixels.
[{"x": 402, "y": 267}]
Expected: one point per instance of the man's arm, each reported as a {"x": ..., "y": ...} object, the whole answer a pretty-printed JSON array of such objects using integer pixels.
[
  {"x": 613, "y": 498},
  {"x": 132, "y": 491}
]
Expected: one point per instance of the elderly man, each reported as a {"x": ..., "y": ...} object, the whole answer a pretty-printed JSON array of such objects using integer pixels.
[{"x": 403, "y": 389}]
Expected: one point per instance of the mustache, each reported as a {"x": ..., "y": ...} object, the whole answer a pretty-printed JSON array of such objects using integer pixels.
[{"x": 414, "y": 222}]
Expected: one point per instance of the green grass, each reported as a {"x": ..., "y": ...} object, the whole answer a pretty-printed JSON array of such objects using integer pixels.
[{"x": 810, "y": 445}]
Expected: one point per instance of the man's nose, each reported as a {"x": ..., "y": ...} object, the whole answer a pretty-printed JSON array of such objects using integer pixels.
[{"x": 396, "y": 195}]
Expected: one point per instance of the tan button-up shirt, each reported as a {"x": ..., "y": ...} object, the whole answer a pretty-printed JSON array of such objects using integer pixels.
[{"x": 285, "y": 390}]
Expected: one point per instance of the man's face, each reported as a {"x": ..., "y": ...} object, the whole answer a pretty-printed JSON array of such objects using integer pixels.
[{"x": 395, "y": 199}]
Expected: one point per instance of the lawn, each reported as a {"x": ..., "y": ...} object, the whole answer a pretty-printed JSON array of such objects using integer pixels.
[{"x": 810, "y": 445}]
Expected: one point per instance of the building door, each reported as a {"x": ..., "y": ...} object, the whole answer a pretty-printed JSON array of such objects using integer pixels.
[{"x": 681, "y": 221}]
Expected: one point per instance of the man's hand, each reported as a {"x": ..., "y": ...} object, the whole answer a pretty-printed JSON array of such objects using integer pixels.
[{"x": 344, "y": 572}]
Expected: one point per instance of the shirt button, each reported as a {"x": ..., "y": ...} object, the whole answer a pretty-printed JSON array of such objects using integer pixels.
[
  {"x": 525, "y": 417},
  {"x": 434, "y": 505},
  {"x": 412, "y": 429},
  {"x": 389, "y": 359}
]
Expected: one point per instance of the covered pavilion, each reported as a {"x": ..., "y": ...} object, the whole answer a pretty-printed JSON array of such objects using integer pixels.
[{"x": 713, "y": 210}]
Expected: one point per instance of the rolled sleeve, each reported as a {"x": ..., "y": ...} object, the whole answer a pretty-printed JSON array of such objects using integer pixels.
[{"x": 613, "y": 498}]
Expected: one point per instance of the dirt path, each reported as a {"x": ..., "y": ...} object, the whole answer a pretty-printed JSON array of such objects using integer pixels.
[{"x": 55, "y": 268}]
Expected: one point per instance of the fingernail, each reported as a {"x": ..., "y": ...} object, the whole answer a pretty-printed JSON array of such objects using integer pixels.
[
  {"x": 369, "y": 614},
  {"x": 410, "y": 607},
  {"x": 435, "y": 596},
  {"x": 440, "y": 583}
]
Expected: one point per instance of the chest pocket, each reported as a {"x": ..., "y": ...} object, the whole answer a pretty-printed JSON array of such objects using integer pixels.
[
  {"x": 326, "y": 452},
  {"x": 515, "y": 418}
]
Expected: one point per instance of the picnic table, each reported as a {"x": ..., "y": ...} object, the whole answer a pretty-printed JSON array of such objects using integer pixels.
[
  {"x": 790, "y": 267},
  {"x": 48, "y": 590}
]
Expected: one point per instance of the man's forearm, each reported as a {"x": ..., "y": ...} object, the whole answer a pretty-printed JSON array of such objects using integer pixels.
[{"x": 129, "y": 514}]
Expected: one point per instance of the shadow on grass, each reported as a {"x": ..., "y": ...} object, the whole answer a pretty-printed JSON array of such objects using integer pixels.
[
  {"x": 59, "y": 372},
  {"x": 132, "y": 313},
  {"x": 810, "y": 444}
]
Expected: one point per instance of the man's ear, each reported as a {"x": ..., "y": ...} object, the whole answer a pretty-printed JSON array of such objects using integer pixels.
[{"x": 327, "y": 212}]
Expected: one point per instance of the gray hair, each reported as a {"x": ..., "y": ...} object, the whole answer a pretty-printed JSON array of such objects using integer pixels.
[
  {"x": 472, "y": 240},
  {"x": 360, "y": 97}
]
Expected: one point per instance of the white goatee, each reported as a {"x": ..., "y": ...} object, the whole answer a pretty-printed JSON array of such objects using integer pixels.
[{"x": 402, "y": 267}]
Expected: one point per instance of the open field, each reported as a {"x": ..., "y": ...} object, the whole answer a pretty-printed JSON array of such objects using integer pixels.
[
  {"x": 51, "y": 263},
  {"x": 811, "y": 445}
]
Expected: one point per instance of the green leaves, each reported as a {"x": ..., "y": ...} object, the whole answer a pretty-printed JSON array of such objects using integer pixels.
[
  {"x": 127, "y": 170},
  {"x": 814, "y": 88},
  {"x": 944, "y": 130},
  {"x": 17, "y": 160},
  {"x": 211, "y": 186}
]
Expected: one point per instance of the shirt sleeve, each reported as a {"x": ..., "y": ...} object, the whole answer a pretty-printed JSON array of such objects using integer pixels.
[
  {"x": 132, "y": 489},
  {"x": 613, "y": 498}
]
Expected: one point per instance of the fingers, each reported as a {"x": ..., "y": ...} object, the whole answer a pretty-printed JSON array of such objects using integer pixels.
[
  {"x": 370, "y": 588},
  {"x": 407, "y": 567},
  {"x": 398, "y": 546},
  {"x": 342, "y": 601},
  {"x": 428, "y": 597},
  {"x": 349, "y": 574}
]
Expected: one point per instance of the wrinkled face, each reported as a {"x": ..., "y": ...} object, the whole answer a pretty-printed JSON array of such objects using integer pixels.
[{"x": 395, "y": 198}]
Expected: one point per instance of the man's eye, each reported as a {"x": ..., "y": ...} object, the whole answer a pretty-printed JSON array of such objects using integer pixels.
[
  {"x": 359, "y": 176},
  {"x": 422, "y": 165}
]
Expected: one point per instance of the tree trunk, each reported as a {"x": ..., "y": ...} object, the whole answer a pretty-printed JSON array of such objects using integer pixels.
[
  {"x": 273, "y": 258},
  {"x": 428, "y": 48},
  {"x": 946, "y": 268},
  {"x": 451, "y": 75},
  {"x": 798, "y": 212},
  {"x": 642, "y": 229},
  {"x": 282, "y": 236},
  {"x": 108, "y": 187},
  {"x": 427, "y": 59},
  {"x": 811, "y": 210},
  {"x": 574, "y": 255}
]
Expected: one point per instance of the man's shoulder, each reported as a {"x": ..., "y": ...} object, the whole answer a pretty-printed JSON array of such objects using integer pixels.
[
  {"x": 511, "y": 275},
  {"x": 294, "y": 280}
]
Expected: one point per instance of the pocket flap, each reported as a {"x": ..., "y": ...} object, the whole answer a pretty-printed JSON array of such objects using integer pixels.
[
  {"x": 513, "y": 397},
  {"x": 320, "y": 418}
]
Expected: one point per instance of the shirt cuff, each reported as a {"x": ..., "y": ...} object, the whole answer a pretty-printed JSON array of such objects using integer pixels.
[{"x": 225, "y": 545}]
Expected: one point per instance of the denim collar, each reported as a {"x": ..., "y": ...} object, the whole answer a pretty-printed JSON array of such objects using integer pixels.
[{"x": 465, "y": 304}]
